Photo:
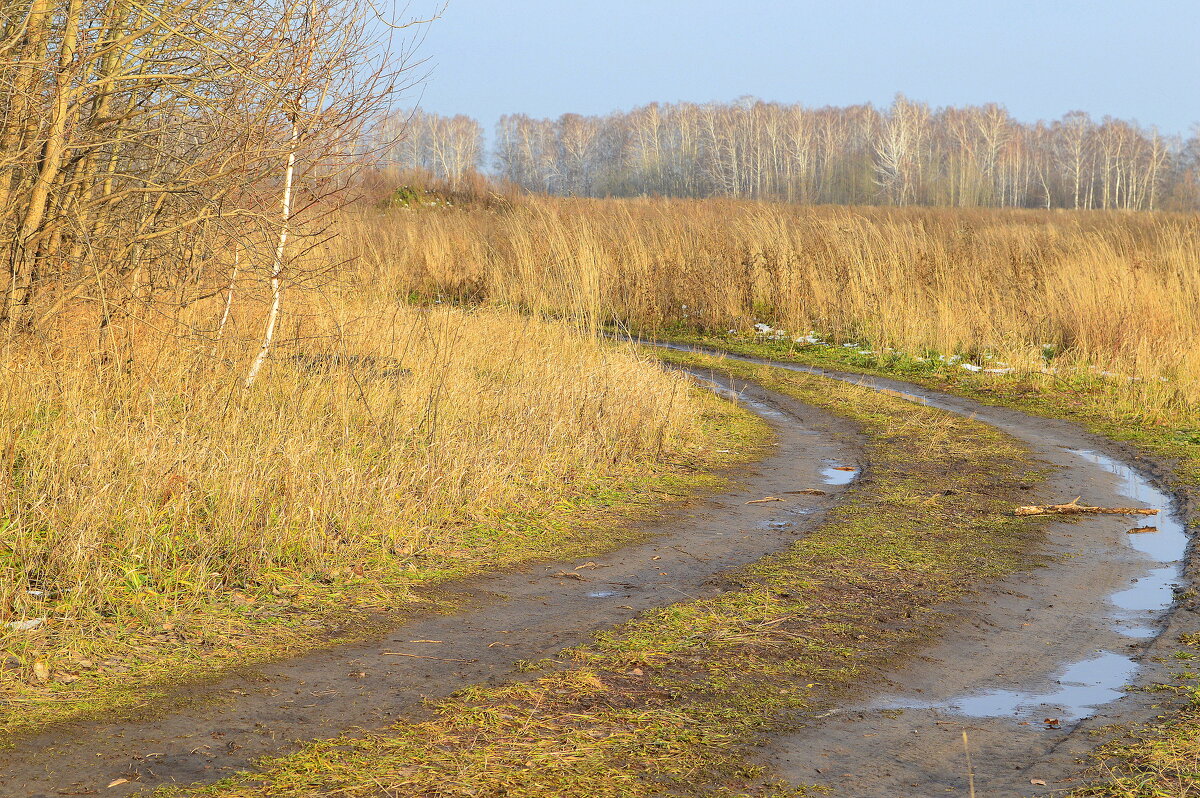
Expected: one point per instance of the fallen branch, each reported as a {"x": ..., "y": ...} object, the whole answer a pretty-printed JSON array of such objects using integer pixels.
[
  {"x": 571, "y": 575},
  {"x": 1075, "y": 508},
  {"x": 768, "y": 499}
]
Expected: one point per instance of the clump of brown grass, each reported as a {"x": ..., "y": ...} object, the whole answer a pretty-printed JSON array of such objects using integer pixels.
[
  {"x": 1113, "y": 292},
  {"x": 141, "y": 482}
]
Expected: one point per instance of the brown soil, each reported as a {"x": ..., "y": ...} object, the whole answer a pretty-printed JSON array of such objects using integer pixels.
[{"x": 1016, "y": 635}]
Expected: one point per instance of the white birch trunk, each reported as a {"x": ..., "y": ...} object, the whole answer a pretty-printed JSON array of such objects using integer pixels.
[
  {"x": 237, "y": 255},
  {"x": 277, "y": 265}
]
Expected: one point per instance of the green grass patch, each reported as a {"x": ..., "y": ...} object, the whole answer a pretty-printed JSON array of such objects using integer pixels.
[
  {"x": 668, "y": 703},
  {"x": 1160, "y": 760},
  {"x": 1106, "y": 406}
]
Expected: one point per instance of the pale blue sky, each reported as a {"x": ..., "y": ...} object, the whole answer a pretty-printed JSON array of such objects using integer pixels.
[{"x": 1138, "y": 60}]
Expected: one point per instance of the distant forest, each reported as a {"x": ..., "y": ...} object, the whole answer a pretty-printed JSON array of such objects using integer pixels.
[{"x": 907, "y": 154}]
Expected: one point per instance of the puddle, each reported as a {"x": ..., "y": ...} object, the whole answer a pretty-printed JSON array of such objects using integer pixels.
[
  {"x": 1087, "y": 684},
  {"x": 1083, "y": 687},
  {"x": 835, "y": 474},
  {"x": 1151, "y": 593},
  {"x": 1080, "y": 690},
  {"x": 1169, "y": 543},
  {"x": 1137, "y": 632},
  {"x": 603, "y": 594}
]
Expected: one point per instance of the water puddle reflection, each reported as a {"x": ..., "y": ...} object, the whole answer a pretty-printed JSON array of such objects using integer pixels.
[
  {"x": 1087, "y": 684},
  {"x": 1135, "y": 612},
  {"x": 838, "y": 473},
  {"x": 1080, "y": 690}
]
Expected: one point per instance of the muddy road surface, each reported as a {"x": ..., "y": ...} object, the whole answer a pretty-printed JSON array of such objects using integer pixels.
[
  {"x": 1058, "y": 642},
  {"x": 1036, "y": 662},
  {"x": 527, "y": 614}
]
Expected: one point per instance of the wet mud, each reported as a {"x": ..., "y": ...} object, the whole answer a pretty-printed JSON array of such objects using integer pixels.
[{"x": 1027, "y": 668}]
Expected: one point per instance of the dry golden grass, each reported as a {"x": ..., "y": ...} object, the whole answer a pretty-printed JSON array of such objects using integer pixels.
[
  {"x": 1114, "y": 292},
  {"x": 670, "y": 702},
  {"x": 141, "y": 486}
]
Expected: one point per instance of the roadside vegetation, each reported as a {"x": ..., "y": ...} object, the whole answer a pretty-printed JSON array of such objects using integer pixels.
[
  {"x": 1157, "y": 760},
  {"x": 1104, "y": 404},
  {"x": 223, "y": 436},
  {"x": 241, "y": 413},
  {"x": 1085, "y": 294},
  {"x": 160, "y": 521},
  {"x": 670, "y": 702}
]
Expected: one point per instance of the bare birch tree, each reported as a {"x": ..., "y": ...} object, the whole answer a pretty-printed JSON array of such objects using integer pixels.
[{"x": 155, "y": 133}]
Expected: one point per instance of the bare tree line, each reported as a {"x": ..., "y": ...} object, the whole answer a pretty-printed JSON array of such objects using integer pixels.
[
  {"x": 143, "y": 142},
  {"x": 907, "y": 154},
  {"x": 448, "y": 147}
]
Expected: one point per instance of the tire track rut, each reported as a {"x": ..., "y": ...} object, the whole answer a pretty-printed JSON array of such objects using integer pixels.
[{"x": 902, "y": 735}]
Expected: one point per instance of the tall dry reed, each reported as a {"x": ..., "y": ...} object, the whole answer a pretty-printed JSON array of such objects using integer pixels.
[{"x": 1116, "y": 292}]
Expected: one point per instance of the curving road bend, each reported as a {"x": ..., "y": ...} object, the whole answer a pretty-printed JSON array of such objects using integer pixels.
[
  {"x": 1059, "y": 641},
  {"x": 1062, "y": 642}
]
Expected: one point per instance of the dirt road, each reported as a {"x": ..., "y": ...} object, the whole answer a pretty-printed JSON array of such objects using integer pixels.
[{"x": 1058, "y": 642}]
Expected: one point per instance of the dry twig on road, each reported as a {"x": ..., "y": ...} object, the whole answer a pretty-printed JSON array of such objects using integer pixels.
[{"x": 1075, "y": 508}]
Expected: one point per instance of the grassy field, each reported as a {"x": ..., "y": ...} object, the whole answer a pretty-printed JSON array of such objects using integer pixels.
[
  {"x": 1157, "y": 760},
  {"x": 1091, "y": 317},
  {"x": 1161, "y": 761},
  {"x": 279, "y": 364},
  {"x": 1076, "y": 292},
  {"x": 161, "y": 522}
]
